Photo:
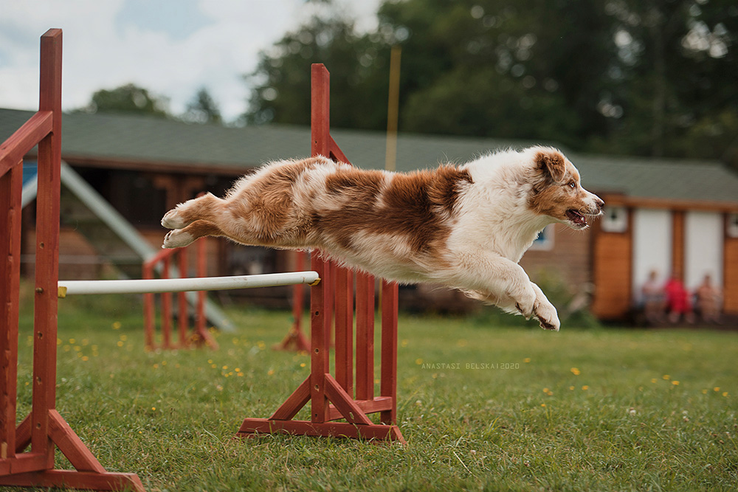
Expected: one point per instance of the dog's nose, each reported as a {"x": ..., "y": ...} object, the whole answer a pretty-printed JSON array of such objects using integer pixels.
[{"x": 600, "y": 203}]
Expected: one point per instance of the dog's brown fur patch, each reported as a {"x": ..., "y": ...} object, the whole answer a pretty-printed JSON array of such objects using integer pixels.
[{"x": 419, "y": 197}]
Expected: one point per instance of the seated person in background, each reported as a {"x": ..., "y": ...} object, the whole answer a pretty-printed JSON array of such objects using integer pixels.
[
  {"x": 652, "y": 295},
  {"x": 677, "y": 301},
  {"x": 708, "y": 301}
]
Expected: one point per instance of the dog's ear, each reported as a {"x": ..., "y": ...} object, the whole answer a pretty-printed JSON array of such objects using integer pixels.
[{"x": 551, "y": 163}]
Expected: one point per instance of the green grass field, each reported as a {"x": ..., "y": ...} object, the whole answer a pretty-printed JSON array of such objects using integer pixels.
[{"x": 482, "y": 407}]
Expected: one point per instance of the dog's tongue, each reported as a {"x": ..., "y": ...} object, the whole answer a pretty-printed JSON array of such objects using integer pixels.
[{"x": 576, "y": 217}]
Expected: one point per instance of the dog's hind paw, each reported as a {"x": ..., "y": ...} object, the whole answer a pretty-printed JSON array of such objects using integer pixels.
[
  {"x": 177, "y": 239},
  {"x": 173, "y": 220}
]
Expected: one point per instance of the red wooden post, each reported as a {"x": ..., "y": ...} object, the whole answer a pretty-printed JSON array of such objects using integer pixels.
[
  {"x": 202, "y": 333},
  {"x": 364, "y": 336},
  {"x": 295, "y": 338},
  {"x": 344, "y": 347},
  {"x": 200, "y": 330},
  {"x": 166, "y": 309},
  {"x": 47, "y": 250},
  {"x": 319, "y": 344},
  {"x": 183, "y": 321},
  {"x": 388, "y": 385},
  {"x": 149, "y": 310},
  {"x": 11, "y": 184}
]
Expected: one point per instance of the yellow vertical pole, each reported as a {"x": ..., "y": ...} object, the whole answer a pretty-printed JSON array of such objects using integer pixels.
[{"x": 393, "y": 109}]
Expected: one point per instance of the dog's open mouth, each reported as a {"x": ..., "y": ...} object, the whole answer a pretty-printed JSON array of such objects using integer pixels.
[{"x": 577, "y": 217}]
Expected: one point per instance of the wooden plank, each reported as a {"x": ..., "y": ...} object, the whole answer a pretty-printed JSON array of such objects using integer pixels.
[
  {"x": 612, "y": 259},
  {"x": 344, "y": 403},
  {"x": 320, "y": 111},
  {"x": 23, "y": 463},
  {"x": 23, "y": 434},
  {"x": 182, "y": 315},
  {"x": 379, "y": 432},
  {"x": 24, "y": 139},
  {"x": 388, "y": 382},
  {"x": 294, "y": 403},
  {"x": 364, "y": 336},
  {"x": 47, "y": 248},
  {"x": 336, "y": 153},
  {"x": 344, "y": 349},
  {"x": 149, "y": 310},
  {"x": 76, "y": 480},
  {"x": 71, "y": 445},
  {"x": 677, "y": 247},
  {"x": 166, "y": 309},
  {"x": 201, "y": 328},
  {"x": 318, "y": 343},
  {"x": 11, "y": 185},
  {"x": 319, "y": 316},
  {"x": 378, "y": 404},
  {"x": 730, "y": 276}
]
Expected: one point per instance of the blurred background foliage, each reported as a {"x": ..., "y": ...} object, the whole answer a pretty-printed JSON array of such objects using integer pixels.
[{"x": 653, "y": 77}]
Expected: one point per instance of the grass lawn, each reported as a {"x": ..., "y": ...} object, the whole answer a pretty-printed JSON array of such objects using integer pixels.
[{"x": 482, "y": 407}]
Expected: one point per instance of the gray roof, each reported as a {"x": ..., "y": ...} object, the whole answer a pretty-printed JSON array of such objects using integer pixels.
[
  {"x": 181, "y": 146},
  {"x": 667, "y": 179}
]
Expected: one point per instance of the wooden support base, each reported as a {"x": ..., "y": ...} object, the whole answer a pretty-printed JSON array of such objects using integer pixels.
[
  {"x": 378, "y": 432},
  {"x": 32, "y": 469},
  {"x": 75, "y": 480}
]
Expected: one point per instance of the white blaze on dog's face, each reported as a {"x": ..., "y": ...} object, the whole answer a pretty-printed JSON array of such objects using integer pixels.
[{"x": 557, "y": 191}]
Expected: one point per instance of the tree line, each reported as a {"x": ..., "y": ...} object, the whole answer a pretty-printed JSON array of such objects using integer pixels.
[{"x": 639, "y": 77}]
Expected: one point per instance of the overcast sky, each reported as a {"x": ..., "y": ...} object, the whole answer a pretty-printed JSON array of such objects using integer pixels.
[{"x": 170, "y": 47}]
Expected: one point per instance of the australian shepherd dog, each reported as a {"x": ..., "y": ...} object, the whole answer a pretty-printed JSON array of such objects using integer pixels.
[{"x": 464, "y": 227}]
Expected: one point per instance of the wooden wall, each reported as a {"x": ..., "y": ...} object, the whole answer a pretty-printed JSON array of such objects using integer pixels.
[
  {"x": 730, "y": 276},
  {"x": 569, "y": 257},
  {"x": 611, "y": 272}
]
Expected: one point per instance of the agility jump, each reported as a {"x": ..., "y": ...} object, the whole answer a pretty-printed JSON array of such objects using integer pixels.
[{"x": 332, "y": 397}]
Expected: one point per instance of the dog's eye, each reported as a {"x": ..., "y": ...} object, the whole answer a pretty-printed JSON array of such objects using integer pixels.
[{"x": 572, "y": 185}]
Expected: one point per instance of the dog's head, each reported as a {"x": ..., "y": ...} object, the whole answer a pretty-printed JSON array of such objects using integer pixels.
[{"x": 557, "y": 191}]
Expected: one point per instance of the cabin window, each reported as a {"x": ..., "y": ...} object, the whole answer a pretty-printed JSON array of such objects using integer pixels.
[
  {"x": 545, "y": 239},
  {"x": 615, "y": 219}
]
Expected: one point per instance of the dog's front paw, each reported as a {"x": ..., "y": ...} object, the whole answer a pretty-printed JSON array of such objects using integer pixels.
[
  {"x": 173, "y": 220},
  {"x": 547, "y": 316},
  {"x": 525, "y": 302}
]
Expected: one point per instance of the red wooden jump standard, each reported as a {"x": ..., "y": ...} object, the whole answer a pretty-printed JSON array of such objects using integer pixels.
[
  {"x": 44, "y": 428},
  {"x": 295, "y": 339},
  {"x": 200, "y": 334},
  {"x": 332, "y": 397}
]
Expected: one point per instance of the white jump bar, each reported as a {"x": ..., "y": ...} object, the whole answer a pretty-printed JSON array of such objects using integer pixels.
[{"x": 74, "y": 287}]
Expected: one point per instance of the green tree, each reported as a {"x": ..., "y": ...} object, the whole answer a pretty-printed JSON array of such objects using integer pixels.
[
  {"x": 127, "y": 99},
  {"x": 531, "y": 69},
  {"x": 281, "y": 82},
  {"x": 203, "y": 109},
  {"x": 652, "y": 77},
  {"x": 677, "y": 90}
]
